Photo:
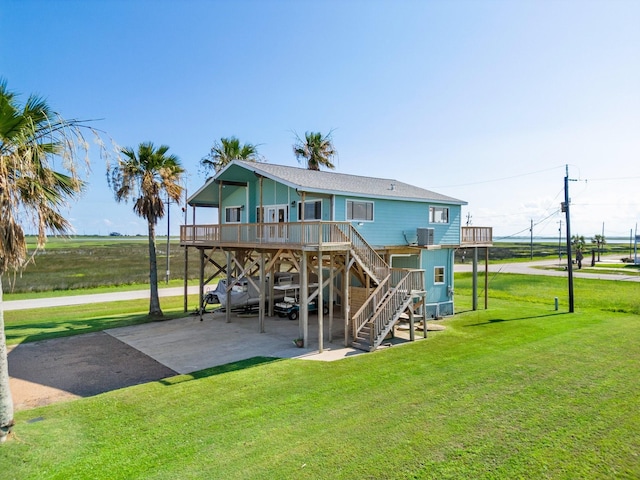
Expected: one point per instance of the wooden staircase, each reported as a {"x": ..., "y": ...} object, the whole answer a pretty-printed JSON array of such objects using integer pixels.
[
  {"x": 396, "y": 291},
  {"x": 376, "y": 318},
  {"x": 372, "y": 263}
]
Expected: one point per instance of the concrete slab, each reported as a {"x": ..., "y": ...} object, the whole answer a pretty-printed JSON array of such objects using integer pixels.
[{"x": 186, "y": 345}]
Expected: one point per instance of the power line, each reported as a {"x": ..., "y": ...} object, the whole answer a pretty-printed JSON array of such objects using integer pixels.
[{"x": 497, "y": 179}]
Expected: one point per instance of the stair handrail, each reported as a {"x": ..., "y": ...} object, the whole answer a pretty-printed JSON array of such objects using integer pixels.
[
  {"x": 366, "y": 311},
  {"x": 388, "y": 310},
  {"x": 365, "y": 252}
]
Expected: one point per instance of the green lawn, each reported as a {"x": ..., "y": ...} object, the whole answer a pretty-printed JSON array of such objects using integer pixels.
[
  {"x": 607, "y": 295},
  {"x": 41, "y": 324},
  {"x": 517, "y": 391}
]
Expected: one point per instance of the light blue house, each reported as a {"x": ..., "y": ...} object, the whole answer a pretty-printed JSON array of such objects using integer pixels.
[{"x": 376, "y": 250}]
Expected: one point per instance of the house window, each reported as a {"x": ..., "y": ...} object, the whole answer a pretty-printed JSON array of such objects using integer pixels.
[
  {"x": 438, "y": 275},
  {"x": 359, "y": 210},
  {"x": 232, "y": 214},
  {"x": 438, "y": 215},
  {"x": 312, "y": 210}
]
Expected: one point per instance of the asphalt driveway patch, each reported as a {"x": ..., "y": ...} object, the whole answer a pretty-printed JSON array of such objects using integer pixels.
[{"x": 78, "y": 366}]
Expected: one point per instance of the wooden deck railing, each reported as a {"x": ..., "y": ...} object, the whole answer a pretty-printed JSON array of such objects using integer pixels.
[
  {"x": 292, "y": 233},
  {"x": 470, "y": 236}
]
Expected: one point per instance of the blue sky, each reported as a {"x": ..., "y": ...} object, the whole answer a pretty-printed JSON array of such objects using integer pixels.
[{"x": 485, "y": 101}]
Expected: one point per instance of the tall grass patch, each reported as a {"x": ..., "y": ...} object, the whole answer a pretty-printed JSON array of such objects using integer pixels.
[{"x": 81, "y": 263}]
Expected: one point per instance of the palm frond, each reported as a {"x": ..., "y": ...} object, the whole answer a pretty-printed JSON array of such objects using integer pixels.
[
  {"x": 227, "y": 150},
  {"x": 317, "y": 150},
  {"x": 32, "y": 188},
  {"x": 146, "y": 176}
]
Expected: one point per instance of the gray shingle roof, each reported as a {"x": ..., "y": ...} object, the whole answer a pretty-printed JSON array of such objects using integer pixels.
[{"x": 345, "y": 184}]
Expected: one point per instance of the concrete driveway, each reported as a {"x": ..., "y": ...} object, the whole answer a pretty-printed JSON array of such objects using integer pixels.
[
  {"x": 61, "y": 369},
  {"x": 188, "y": 344}
]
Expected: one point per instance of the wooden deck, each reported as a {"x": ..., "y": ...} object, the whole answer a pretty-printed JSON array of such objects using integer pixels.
[{"x": 297, "y": 235}]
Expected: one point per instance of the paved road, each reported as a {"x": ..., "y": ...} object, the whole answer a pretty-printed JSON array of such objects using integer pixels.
[
  {"x": 537, "y": 268},
  {"x": 93, "y": 298}
]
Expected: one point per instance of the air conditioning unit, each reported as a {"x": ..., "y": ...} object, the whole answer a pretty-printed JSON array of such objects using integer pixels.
[{"x": 425, "y": 236}]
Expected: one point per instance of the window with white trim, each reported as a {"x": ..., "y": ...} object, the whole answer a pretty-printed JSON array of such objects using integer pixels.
[
  {"x": 359, "y": 210},
  {"x": 438, "y": 215},
  {"x": 232, "y": 214},
  {"x": 312, "y": 210},
  {"x": 438, "y": 275}
]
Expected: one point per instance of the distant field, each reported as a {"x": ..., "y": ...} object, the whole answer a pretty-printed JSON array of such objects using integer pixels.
[
  {"x": 541, "y": 250},
  {"x": 69, "y": 264},
  {"x": 89, "y": 262}
]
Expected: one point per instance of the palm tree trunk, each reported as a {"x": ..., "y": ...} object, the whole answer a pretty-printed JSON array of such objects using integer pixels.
[
  {"x": 154, "y": 300},
  {"x": 6, "y": 402}
]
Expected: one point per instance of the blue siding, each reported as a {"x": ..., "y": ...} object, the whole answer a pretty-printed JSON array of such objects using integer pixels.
[
  {"x": 430, "y": 260},
  {"x": 448, "y": 233},
  {"x": 395, "y": 222},
  {"x": 235, "y": 197}
]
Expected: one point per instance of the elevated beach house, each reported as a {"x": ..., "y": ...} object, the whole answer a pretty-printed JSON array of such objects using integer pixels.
[{"x": 374, "y": 250}]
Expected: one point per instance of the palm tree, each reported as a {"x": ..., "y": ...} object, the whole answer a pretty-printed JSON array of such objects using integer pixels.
[
  {"x": 32, "y": 191},
  {"x": 578, "y": 243},
  {"x": 145, "y": 176},
  {"x": 317, "y": 150},
  {"x": 227, "y": 150},
  {"x": 600, "y": 242}
]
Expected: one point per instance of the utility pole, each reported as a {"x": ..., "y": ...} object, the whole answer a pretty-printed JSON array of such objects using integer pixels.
[
  {"x": 565, "y": 208},
  {"x": 531, "y": 231},
  {"x": 560, "y": 243}
]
